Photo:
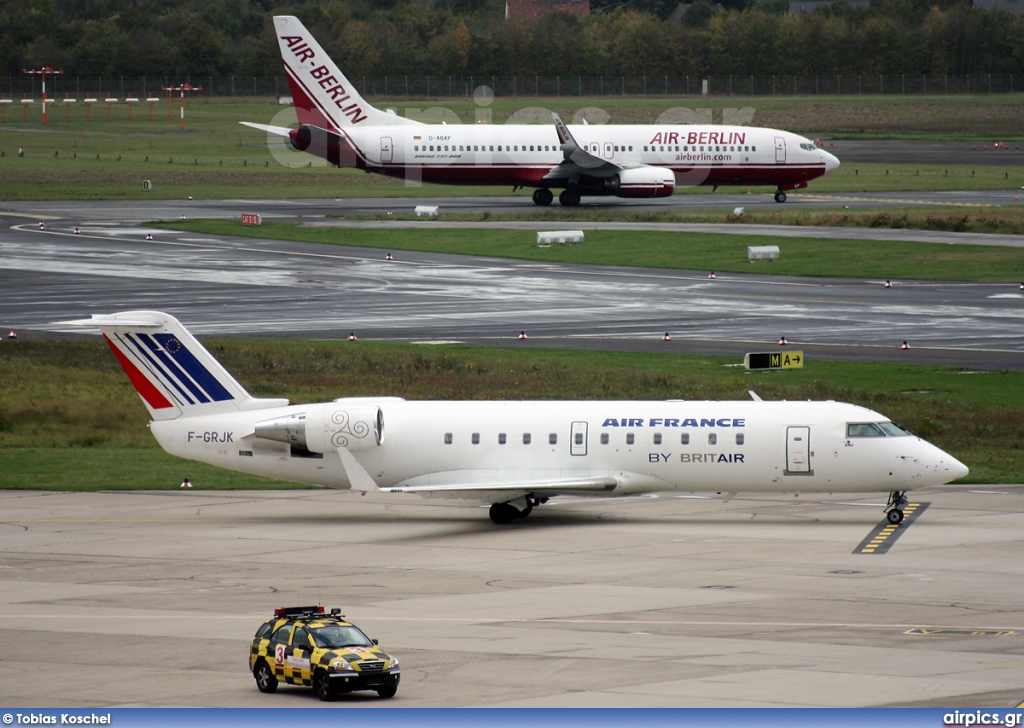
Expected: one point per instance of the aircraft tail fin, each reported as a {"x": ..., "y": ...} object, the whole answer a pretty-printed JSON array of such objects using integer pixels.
[
  {"x": 322, "y": 95},
  {"x": 173, "y": 373}
]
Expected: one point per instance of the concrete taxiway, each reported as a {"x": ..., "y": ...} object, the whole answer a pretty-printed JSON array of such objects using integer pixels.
[{"x": 644, "y": 602}]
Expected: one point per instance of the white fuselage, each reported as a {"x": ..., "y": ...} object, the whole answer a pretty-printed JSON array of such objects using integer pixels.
[
  {"x": 647, "y": 446},
  {"x": 525, "y": 154}
]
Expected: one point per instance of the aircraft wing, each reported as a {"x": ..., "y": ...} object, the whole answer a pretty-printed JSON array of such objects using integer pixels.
[
  {"x": 597, "y": 484},
  {"x": 577, "y": 160}
]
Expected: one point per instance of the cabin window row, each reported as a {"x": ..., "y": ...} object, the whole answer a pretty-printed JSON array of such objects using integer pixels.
[
  {"x": 684, "y": 438},
  {"x": 483, "y": 148},
  {"x": 694, "y": 148}
]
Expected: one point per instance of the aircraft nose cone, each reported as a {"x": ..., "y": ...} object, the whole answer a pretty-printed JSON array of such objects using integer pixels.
[
  {"x": 831, "y": 162},
  {"x": 956, "y": 469}
]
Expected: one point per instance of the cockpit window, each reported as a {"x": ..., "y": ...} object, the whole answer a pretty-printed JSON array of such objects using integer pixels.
[
  {"x": 875, "y": 429},
  {"x": 893, "y": 430},
  {"x": 864, "y": 429},
  {"x": 809, "y": 147}
]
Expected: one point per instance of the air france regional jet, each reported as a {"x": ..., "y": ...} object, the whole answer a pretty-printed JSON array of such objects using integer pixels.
[
  {"x": 513, "y": 455},
  {"x": 337, "y": 124}
]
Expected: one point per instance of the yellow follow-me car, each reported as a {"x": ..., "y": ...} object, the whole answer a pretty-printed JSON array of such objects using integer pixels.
[{"x": 306, "y": 646}]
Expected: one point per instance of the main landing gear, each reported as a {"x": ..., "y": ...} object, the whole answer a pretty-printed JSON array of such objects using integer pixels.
[
  {"x": 569, "y": 198},
  {"x": 505, "y": 513},
  {"x": 543, "y": 196},
  {"x": 780, "y": 196},
  {"x": 897, "y": 501}
]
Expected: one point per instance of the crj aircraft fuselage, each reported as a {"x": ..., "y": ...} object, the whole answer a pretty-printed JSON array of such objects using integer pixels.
[
  {"x": 635, "y": 160},
  {"x": 513, "y": 455}
]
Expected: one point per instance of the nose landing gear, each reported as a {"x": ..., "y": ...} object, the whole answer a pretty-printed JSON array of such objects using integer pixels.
[
  {"x": 897, "y": 501},
  {"x": 780, "y": 196}
]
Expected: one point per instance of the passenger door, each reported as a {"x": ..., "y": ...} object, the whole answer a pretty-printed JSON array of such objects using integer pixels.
[
  {"x": 780, "y": 150},
  {"x": 386, "y": 150},
  {"x": 798, "y": 451},
  {"x": 578, "y": 440}
]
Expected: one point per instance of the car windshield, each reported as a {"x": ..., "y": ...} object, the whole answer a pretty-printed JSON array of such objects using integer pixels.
[{"x": 337, "y": 635}]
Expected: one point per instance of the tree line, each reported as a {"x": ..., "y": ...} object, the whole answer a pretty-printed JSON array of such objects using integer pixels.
[{"x": 111, "y": 38}]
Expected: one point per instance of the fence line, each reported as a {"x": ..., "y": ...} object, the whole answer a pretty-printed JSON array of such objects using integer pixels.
[{"x": 537, "y": 86}]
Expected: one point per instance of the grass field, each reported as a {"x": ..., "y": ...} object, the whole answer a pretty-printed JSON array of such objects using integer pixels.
[
  {"x": 687, "y": 251},
  {"x": 71, "y": 420},
  {"x": 216, "y": 158},
  {"x": 1003, "y": 220}
]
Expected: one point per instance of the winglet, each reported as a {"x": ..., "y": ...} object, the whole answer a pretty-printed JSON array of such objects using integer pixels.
[{"x": 569, "y": 145}]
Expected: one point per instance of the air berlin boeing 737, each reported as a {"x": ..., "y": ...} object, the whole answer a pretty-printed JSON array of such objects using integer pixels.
[
  {"x": 513, "y": 455},
  {"x": 636, "y": 160}
]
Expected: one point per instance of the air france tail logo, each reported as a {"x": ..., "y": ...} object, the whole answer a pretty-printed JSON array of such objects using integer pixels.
[
  {"x": 162, "y": 360},
  {"x": 322, "y": 75}
]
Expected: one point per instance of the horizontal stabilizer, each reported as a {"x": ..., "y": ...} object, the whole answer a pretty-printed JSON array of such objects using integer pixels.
[
  {"x": 282, "y": 131},
  {"x": 133, "y": 319}
]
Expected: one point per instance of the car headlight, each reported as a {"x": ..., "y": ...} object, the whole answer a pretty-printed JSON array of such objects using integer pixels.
[
  {"x": 340, "y": 665},
  {"x": 393, "y": 664}
]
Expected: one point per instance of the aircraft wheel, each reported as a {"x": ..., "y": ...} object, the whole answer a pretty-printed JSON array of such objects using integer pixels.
[
  {"x": 569, "y": 198},
  {"x": 780, "y": 196},
  {"x": 542, "y": 196},
  {"x": 503, "y": 513},
  {"x": 526, "y": 511},
  {"x": 894, "y": 516}
]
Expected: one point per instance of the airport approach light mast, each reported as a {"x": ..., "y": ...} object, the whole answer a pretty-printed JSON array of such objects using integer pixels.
[
  {"x": 182, "y": 89},
  {"x": 42, "y": 72}
]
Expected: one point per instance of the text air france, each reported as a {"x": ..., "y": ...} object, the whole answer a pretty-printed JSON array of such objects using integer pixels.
[{"x": 674, "y": 422}]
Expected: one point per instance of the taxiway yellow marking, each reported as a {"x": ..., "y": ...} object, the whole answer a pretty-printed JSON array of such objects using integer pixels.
[{"x": 879, "y": 540}]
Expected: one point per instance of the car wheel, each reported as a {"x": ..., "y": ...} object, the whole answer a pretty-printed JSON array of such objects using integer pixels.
[
  {"x": 265, "y": 680},
  {"x": 322, "y": 685},
  {"x": 388, "y": 692}
]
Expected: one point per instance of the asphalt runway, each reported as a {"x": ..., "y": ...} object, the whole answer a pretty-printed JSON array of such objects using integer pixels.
[
  {"x": 672, "y": 601},
  {"x": 228, "y": 286},
  {"x": 902, "y": 151}
]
